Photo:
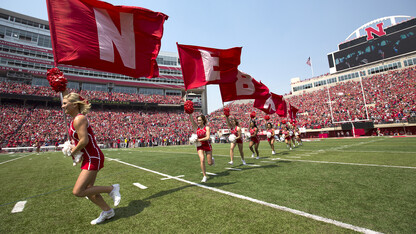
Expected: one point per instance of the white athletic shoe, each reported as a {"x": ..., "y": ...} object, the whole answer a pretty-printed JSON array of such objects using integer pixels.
[
  {"x": 115, "y": 194},
  {"x": 204, "y": 179},
  {"x": 244, "y": 162},
  {"x": 257, "y": 157},
  {"x": 213, "y": 162},
  {"x": 252, "y": 155},
  {"x": 103, "y": 216},
  {"x": 230, "y": 162},
  {"x": 290, "y": 148},
  {"x": 273, "y": 152}
]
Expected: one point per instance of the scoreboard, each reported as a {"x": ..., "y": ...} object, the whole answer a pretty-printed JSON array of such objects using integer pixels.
[{"x": 398, "y": 40}]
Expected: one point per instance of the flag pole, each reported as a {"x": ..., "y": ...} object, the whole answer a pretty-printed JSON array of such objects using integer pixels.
[{"x": 312, "y": 67}]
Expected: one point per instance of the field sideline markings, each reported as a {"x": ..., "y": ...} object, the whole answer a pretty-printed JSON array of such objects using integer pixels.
[
  {"x": 282, "y": 208},
  {"x": 13, "y": 159},
  {"x": 166, "y": 178},
  {"x": 325, "y": 162},
  {"x": 19, "y": 207},
  {"x": 139, "y": 185},
  {"x": 354, "y": 164}
]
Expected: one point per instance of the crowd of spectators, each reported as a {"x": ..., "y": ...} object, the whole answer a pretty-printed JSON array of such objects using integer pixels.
[
  {"x": 389, "y": 98},
  {"x": 25, "y": 89},
  {"x": 24, "y": 125}
]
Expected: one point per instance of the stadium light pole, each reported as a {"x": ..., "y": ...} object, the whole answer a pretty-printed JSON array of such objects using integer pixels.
[{"x": 330, "y": 103}]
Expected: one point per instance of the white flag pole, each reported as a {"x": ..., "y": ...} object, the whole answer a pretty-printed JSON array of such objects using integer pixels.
[{"x": 311, "y": 67}]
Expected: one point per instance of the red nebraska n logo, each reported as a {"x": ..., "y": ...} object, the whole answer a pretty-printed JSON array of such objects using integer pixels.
[{"x": 370, "y": 31}]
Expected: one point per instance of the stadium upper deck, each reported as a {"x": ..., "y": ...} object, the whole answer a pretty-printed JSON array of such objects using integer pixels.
[
  {"x": 26, "y": 54},
  {"x": 394, "y": 48}
]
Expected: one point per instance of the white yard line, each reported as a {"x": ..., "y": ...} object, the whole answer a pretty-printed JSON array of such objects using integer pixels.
[
  {"x": 283, "y": 208},
  {"x": 19, "y": 207},
  {"x": 352, "y": 164},
  {"x": 139, "y": 185},
  {"x": 325, "y": 162},
  {"x": 13, "y": 159}
]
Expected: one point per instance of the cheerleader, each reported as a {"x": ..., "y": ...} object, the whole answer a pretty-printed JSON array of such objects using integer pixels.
[
  {"x": 236, "y": 130},
  {"x": 81, "y": 133},
  {"x": 270, "y": 136},
  {"x": 203, "y": 132},
  {"x": 254, "y": 139},
  {"x": 287, "y": 137}
]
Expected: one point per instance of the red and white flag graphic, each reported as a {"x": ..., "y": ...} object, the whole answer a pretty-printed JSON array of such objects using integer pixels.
[
  {"x": 272, "y": 104},
  {"x": 245, "y": 87},
  {"x": 96, "y": 34},
  {"x": 202, "y": 65},
  {"x": 292, "y": 112}
]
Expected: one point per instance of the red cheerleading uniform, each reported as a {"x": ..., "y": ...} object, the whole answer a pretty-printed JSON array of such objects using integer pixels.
[
  {"x": 254, "y": 139},
  {"x": 235, "y": 132},
  {"x": 92, "y": 156},
  {"x": 287, "y": 135},
  {"x": 205, "y": 145}
]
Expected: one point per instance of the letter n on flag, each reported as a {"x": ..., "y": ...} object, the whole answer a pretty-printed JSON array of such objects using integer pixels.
[
  {"x": 202, "y": 65},
  {"x": 96, "y": 34},
  {"x": 245, "y": 87},
  {"x": 272, "y": 104}
]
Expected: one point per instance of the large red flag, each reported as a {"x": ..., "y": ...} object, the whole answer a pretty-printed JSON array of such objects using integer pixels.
[
  {"x": 245, "y": 87},
  {"x": 95, "y": 34},
  {"x": 292, "y": 112},
  {"x": 203, "y": 65},
  {"x": 272, "y": 104}
]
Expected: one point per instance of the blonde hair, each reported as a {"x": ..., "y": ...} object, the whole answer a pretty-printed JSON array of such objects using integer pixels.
[{"x": 83, "y": 105}]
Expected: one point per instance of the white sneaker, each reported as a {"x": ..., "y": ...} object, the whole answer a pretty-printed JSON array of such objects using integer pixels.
[
  {"x": 252, "y": 155},
  {"x": 273, "y": 152},
  {"x": 213, "y": 161},
  {"x": 290, "y": 148},
  {"x": 103, "y": 216},
  {"x": 230, "y": 162},
  {"x": 204, "y": 179},
  {"x": 115, "y": 194},
  {"x": 244, "y": 162},
  {"x": 257, "y": 157}
]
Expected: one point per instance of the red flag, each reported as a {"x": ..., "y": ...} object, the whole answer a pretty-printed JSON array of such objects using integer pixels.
[
  {"x": 272, "y": 104},
  {"x": 203, "y": 65},
  {"x": 95, "y": 34},
  {"x": 245, "y": 87},
  {"x": 292, "y": 112}
]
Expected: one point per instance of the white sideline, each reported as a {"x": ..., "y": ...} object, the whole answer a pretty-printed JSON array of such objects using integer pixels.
[
  {"x": 139, "y": 185},
  {"x": 283, "y": 208},
  {"x": 325, "y": 162},
  {"x": 14, "y": 159}
]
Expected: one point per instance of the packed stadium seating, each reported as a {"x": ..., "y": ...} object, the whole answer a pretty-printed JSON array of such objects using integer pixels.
[{"x": 390, "y": 98}]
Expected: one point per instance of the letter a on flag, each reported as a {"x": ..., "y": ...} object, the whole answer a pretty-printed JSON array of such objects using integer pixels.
[
  {"x": 202, "y": 65},
  {"x": 96, "y": 34}
]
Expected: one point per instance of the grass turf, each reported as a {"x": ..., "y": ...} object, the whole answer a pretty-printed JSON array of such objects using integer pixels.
[{"x": 379, "y": 198}]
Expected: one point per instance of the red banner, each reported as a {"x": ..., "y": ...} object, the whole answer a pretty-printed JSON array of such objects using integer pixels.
[
  {"x": 245, "y": 87},
  {"x": 95, "y": 34},
  {"x": 272, "y": 104},
  {"x": 202, "y": 65}
]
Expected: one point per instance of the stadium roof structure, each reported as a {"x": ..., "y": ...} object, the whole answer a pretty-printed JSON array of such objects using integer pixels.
[{"x": 393, "y": 20}]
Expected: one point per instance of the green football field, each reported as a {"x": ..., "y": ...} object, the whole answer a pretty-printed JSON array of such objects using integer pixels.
[{"x": 326, "y": 186}]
